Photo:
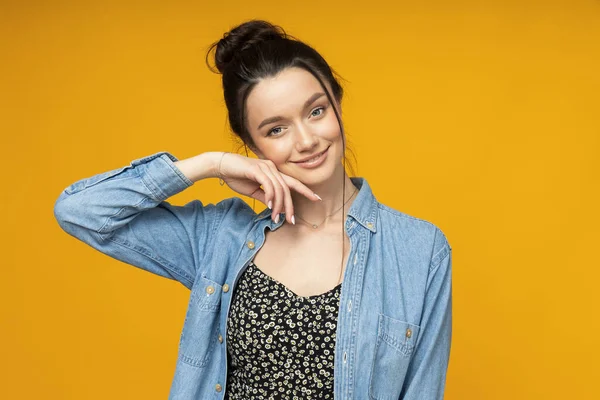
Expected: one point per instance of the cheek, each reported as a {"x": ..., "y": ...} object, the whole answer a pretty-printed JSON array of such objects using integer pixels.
[
  {"x": 279, "y": 151},
  {"x": 330, "y": 126}
]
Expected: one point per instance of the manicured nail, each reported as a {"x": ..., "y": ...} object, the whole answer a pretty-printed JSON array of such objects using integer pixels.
[
  {"x": 277, "y": 219},
  {"x": 317, "y": 196},
  {"x": 270, "y": 205},
  {"x": 293, "y": 220}
]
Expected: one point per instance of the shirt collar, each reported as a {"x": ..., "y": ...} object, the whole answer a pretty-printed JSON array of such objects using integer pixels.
[{"x": 363, "y": 208}]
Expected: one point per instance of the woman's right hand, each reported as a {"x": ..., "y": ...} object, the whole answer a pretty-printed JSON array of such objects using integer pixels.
[{"x": 246, "y": 175}]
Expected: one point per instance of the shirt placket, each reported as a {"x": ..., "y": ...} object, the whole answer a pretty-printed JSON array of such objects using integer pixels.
[{"x": 347, "y": 318}]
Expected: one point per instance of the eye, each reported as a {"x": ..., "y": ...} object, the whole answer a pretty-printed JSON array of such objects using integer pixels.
[
  {"x": 275, "y": 131},
  {"x": 319, "y": 110}
]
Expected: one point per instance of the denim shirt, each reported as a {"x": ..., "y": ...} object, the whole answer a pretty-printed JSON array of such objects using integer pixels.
[{"x": 395, "y": 318}]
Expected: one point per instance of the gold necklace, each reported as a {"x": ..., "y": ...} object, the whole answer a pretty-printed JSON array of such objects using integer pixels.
[{"x": 315, "y": 226}]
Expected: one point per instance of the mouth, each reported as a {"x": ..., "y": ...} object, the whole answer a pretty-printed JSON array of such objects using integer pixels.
[
  {"x": 314, "y": 161},
  {"x": 311, "y": 159}
]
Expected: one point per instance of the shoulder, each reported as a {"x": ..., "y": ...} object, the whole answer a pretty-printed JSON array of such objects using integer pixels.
[
  {"x": 413, "y": 224},
  {"x": 419, "y": 232}
]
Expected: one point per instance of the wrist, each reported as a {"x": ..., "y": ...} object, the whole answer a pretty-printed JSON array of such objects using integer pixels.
[
  {"x": 218, "y": 172},
  {"x": 201, "y": 166}
]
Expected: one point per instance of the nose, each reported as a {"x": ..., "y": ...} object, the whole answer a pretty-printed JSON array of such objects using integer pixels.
[{"x": 306, "y": 140}]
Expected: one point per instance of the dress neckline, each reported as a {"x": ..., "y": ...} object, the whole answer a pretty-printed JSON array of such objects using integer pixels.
[{"x": 314, "y": 296}]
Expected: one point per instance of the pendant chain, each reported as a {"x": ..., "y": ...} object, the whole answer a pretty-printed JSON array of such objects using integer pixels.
[{"x": 315, "y": 226}]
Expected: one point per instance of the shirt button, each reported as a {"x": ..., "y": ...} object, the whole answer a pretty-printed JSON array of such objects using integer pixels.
[
  {"x": 210, "y": 290},
  {"x": 218, "y": 387},
  {"x": 369, "y": 225},
  {"x": 250, "y": 244},
  {"x": 226, "y": 288},
  {"x": 408, "y": 333},
  {"x": 220, "y": 339}
]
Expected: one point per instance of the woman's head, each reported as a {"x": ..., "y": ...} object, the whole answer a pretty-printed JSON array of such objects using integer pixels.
[{"x": 269, "y": 76}]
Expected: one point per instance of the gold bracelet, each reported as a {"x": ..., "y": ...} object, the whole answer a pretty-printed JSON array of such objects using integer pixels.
[{"x": 221, "y": 181}]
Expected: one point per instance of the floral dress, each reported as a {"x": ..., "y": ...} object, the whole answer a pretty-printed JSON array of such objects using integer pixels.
[{"x": 280, "y": 345}]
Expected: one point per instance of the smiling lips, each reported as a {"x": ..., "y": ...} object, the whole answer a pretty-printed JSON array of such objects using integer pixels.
[
  {"x": 314, "y": 161},
  {"x": 311, "y": 158}
]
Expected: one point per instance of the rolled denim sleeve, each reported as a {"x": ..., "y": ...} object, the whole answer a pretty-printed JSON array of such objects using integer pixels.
[
  {"x": 124, "y": 213},
  {"x": 426, "y": 375}
]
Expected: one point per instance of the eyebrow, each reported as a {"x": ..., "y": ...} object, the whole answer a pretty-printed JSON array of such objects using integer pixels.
[{"x": 307, "y": 103}]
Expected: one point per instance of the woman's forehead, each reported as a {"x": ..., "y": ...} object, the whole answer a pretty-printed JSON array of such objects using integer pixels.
[{"x": 287, "y": 91}]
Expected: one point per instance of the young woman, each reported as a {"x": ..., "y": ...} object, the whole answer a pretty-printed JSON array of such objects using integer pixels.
[{"x": 325, "y": 294}]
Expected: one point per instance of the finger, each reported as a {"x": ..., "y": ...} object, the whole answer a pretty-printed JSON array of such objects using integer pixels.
[
  {"x": 266, "y": 183},
  {"x": 299, "y": 187},
  {"x": 278, "y": 202},
  {"x": 289, "y": 205},
  {"x": 259, "y": 195}
]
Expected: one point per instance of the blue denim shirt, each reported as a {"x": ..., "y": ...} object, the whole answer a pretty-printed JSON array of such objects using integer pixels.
[{"x": 395, "y": 317}]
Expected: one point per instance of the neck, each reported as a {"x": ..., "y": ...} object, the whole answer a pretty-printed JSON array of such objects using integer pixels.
[{"x": 332, "y": 193}]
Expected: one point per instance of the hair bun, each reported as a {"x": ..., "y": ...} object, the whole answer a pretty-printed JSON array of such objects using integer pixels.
[{"x": 243, "y": 37}]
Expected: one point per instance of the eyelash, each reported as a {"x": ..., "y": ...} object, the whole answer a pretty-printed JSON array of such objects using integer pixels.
[{"x": 270, "y": 133}]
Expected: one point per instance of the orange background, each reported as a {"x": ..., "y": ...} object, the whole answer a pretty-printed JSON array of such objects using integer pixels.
[{"x": 479, "y": 116}]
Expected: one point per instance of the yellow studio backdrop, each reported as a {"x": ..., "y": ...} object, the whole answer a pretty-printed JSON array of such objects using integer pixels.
[{"x": 479, "y": 116}]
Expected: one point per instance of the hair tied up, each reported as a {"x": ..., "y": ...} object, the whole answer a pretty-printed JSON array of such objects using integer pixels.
[{"x": 241, "y": 38}]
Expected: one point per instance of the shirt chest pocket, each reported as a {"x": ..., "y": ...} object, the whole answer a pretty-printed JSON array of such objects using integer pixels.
[
  {"x": 201, "y": 327},
  {"x": 393, "y": 350}
]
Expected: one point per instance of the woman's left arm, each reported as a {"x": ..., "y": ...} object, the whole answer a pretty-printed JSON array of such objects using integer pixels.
[{"x": 426, "y": 375}]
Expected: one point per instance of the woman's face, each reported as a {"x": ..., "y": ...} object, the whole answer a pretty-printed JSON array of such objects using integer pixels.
[{"x": 290, "y": 119}]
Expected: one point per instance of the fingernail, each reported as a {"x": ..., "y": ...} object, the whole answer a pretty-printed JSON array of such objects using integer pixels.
[
  {"x": 270, "y": 205},
  {"x": 293, "y": 220},
  {"x": 277, "y": 219},
  {"x": 317, "y": 196}
]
